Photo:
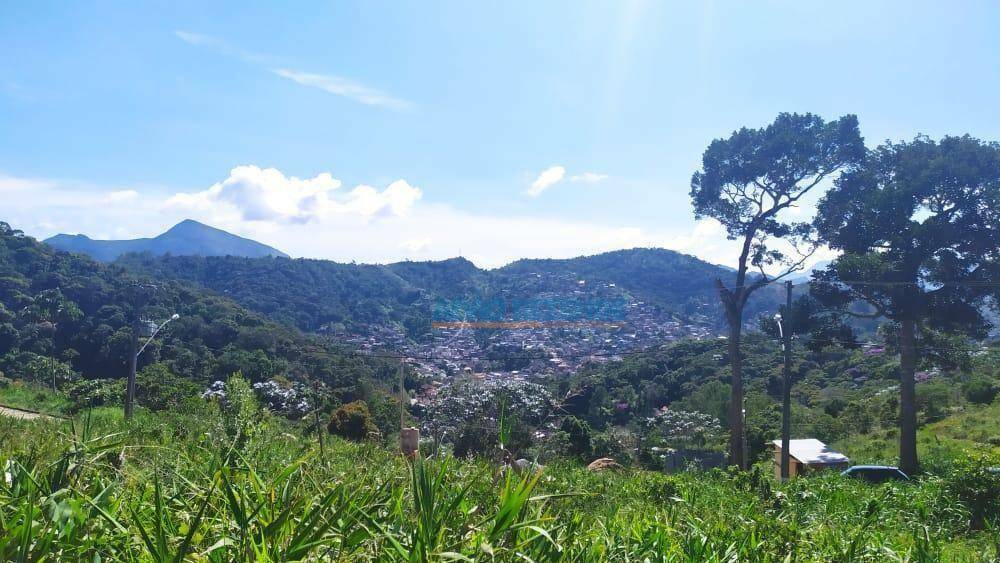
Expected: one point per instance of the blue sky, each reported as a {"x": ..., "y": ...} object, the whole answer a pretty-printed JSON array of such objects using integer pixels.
[{"x": 378, "y": 131}]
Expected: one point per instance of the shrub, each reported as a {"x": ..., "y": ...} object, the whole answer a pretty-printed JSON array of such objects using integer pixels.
[
  {"x": 96, "y": 393},
  {"x": 241, "y": 414},
  {"x": 975, "y": 480},
  {"x": 157, "y": 388},
  {"x": 353, "y": 421},
  {"x": 933, "y": 399},
  {"x": 579, "y": 436},
  {"x": 980, "y": 390}
]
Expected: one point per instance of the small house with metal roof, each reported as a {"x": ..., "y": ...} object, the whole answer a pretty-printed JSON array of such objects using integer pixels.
[{"x": 808, "y": 455}]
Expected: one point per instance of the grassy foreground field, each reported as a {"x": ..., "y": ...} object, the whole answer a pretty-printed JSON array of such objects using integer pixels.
[{"x": 200, "y": 486}]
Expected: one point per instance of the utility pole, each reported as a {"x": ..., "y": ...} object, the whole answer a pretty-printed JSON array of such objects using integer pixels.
[
  {"x": 139, "y": 297},
  {"x": 133, "y": 360},
  {"x": 319, "y": 429},
  {"x": 409, "y": 437},
  {"x": 786, "y": 386}
]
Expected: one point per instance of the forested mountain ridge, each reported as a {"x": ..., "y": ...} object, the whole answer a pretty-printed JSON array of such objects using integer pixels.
[
  {"x": 327, "y": 296},
  {"x": 66, "y": 317},
  {"x": 185, "y": 238}
]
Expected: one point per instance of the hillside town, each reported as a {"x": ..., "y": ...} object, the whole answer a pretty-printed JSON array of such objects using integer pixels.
[{"x": 549, "y": 326}]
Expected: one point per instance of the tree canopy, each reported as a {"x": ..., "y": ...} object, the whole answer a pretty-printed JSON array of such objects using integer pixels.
[
  {"x": 746, "y": 183},
  {"x": 919, "y": 228}
]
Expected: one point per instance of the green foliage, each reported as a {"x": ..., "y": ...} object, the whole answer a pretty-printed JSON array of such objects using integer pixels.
[
  {"x": 975, "y": 480},
  {"x": 933, "y": 400},
  {"x": 70, "y": 494},
  {"x": 157, "y": 388},
  {"x": 89, "y": 393},
  {"x": 578, "y": 435},
  {"x": 915, "y": 224},
  {"x": 353, "y": 421},
  {"x": 34, "y": 397},
  {"x": 980, "y": 390},
  {"x": 329, "y": 297},
  {"x": 64, "y": 316},
  {"x": 241, "y": 414}
]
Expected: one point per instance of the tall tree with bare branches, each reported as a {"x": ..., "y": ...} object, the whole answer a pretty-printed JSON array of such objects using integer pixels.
[{"x": 746, "y": 182}]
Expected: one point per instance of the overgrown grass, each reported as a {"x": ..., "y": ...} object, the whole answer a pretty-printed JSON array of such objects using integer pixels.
[
  {"x": 33, "y": 397},
  {"x": 975, "y": 427},
  {"x": 168, "y": 488}
]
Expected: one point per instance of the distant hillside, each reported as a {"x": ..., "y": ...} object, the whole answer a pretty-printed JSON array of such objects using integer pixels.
[
  {"x": 313, "y": 295},
  {"x": 674, "y": 281},
  {"x": 67, "y": 316},
  {"x": 187, "y": 238},
  {"x": 321, "y": 295}
]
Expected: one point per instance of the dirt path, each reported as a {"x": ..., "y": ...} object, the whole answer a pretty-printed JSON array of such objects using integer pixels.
[{"x": 19, "y": 413}]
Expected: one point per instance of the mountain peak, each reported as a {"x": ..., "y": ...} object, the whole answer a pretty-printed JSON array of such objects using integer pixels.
[
  {"x": 187, "y": 238},
  {"x": 190, "y": 223},
  {"x": 190, "y": 226}
]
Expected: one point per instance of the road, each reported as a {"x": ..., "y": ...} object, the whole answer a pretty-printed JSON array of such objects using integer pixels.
[{"x": 19, "y": 413}]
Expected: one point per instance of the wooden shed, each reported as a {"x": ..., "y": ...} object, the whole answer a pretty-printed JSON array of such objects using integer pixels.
[{"x": 808, "y": 455}]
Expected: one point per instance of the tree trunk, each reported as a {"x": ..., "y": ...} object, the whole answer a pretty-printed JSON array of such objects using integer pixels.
[
  {"x": 907, "y": 397},
  {"x": 736, "y": 430}
]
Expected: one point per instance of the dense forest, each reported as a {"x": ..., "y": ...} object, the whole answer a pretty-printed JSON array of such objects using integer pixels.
[
  {"x": 839, "y": 392},
  {"x": 65, "y": 319},
  {"x": 326, "y": 296}
]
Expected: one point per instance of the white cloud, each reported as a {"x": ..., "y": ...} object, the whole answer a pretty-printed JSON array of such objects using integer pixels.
[
  {"x": 555, "y": 174},
  {"x": 317, "y": 217},
  {"x": 266, "y": 194},
  {"x": 337, "y": 85},
  {"x": 548, "y": 178},
  {"x": 346, "y": 87},
  {"x": 588, "y": 178}
]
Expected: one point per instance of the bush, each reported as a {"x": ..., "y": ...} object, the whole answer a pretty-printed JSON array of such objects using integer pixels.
[
  {"x": 96, "y": 393},
  {"x": 579, "y": 436},
  {"x": 975, "y": 480},
  {"x": 241, "y": 414},
  {"x": 980, "y": 390},
  {"x": 933, "y": 399},
  {"x": 353, "y": 421},
  {"x": 157, "y": 388},
  {"x": 607, "y": 444}
]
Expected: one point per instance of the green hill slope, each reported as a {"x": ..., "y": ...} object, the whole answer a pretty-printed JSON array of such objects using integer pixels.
[
  {"x": 64, "y": 316},
  {"x": 320, "y": 295}
]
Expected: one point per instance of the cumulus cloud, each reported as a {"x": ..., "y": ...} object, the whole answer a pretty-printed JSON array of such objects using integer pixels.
[
  {"x": 555, "y": 174},
  {"x": 548, "y": 178},
  {"x": 317, "y": 217},
  {"x": 266, "y": 194}
]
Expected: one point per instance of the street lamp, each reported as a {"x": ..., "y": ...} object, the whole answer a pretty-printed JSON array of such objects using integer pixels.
[
  {"x": 134, "y": 360},
  {"x": 786, "y": 385},
  {"x": 173, "y": 317}
]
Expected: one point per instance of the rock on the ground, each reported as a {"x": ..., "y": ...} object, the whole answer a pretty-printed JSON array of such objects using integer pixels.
[{"x": 603, "y": 464}]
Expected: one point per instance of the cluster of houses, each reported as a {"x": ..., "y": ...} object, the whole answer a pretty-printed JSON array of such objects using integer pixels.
[{"x": 549, "y": 326}]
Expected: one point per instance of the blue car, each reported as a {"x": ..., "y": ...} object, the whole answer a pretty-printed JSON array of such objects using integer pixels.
[{"x": 875, "y": 473}]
